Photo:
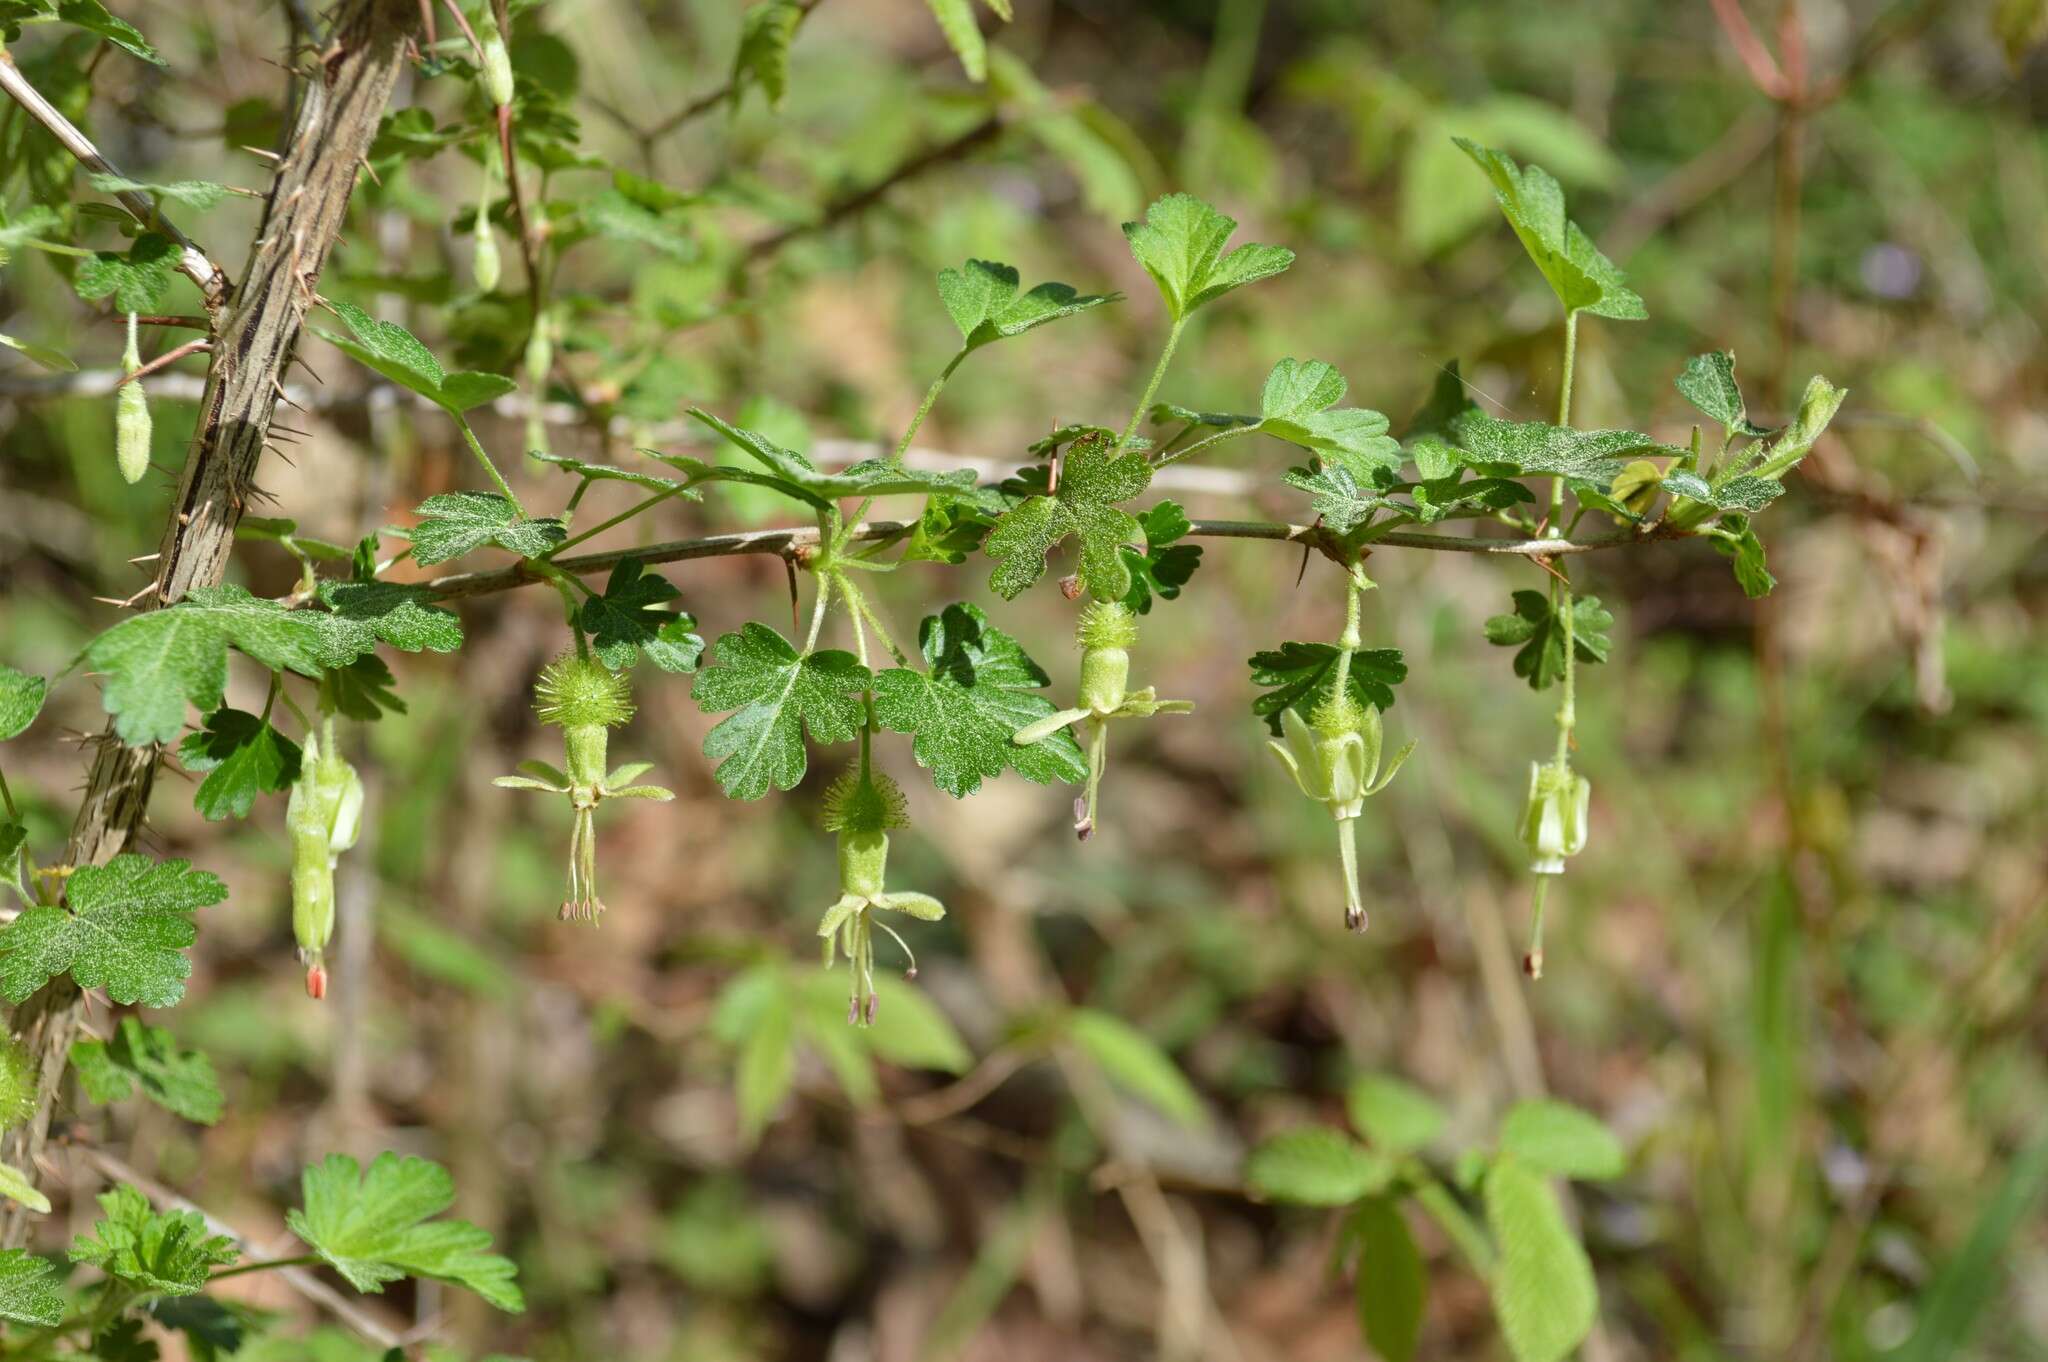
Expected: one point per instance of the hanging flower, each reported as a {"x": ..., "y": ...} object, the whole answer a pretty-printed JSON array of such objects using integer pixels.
[
  {"x": 861, "y": 807},
  {"x": 1554, "y": 818},
  {"x": 323, "y": 817},
  {"x": 1334, "y": 758}
]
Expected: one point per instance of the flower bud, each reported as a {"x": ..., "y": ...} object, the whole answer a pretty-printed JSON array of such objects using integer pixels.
[
  {"x": 497, "y": 61},
  {"x": 131, "y": 416},
  {"x": 483, "y": 263},
  {"x": 1554, "y": 818},
  {"x": 323, "y": 818}
]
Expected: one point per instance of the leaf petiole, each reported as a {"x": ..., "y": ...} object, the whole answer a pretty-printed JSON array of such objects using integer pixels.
[
  {"x": 1152, "y": 384},
  {"x": 476, "y": 447}
]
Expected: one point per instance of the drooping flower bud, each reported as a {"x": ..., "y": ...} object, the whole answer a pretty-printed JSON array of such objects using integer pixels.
[
  {"x": 497, "y": 60},
  {"x": 323, "y": 818},
  {"x": 1335, "y": 760},
  {"x": 483, "y": 262},
  {"x": 131, "y": 416},
  {"x": 540, "y": 358},
  {"x": 1554, "y": 816},
  {"x": 861, "y": 807}
]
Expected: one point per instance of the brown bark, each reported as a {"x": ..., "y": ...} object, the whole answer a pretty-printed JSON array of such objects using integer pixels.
[{"x": 252, "y": 343}]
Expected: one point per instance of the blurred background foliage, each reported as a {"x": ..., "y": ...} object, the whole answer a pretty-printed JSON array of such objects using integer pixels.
[{"x": 1797, "y": 969}]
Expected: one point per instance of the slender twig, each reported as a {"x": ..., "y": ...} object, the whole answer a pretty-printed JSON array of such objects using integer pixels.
[
  {"x": 190, "y": 347},
  {"x": 702, "y": 104},
  {"x": 194, "y": 262},
  {"x": 840, "y": 209}
]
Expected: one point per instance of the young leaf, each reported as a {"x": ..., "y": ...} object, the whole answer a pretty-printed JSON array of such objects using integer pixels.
[
  {"x": 167, "y": 1254},
  {"x": 138, "y": 280},
  {"x": 948, "y": 530},
  {"x": 1165, "y": 565},
  {"x": 1133, "y": 1062},
  {"x": 604, "y": 472},
  {"x": 21, "y": 699},
  {"x": 1315, "y": 1166},
  {"x": 1180, "y": 244},
  {"x": 1746, "y": 494},
  {"x": 397, "y": 354},
  {"x": 363, "y": 690},
  {"x": 981, "y": 297},
  {"x": 15, "y": 1187},
  {"x": 979, "y": 688},
  {"x": 364, "y": 614},
  {"x": 627, "y": 621},
  {"x": 93, "y": 17},
  {"x": 1302, "y": 675},
  {"x": 370, "y": 1225},
  {"x": 180, "y": 1081},
  {"x": 1817, "y": 407},
  {"x": 157, "y": 662},
  {"x": 1396, "y": 1117},
  {"x": 766, "y": 31},
  {"x": 1540, "y": 633},
  {"x": 1582, "y": 278},
  {"x": 28, "y": 1290},
  {"x": 963, "y": 35},
  {"x": 1093, "y": 480},
  {"x": 1735, "y": 538},
  {"x": 794, "y": 475},
  {"x": 1708, "y": 382},
  {"x": 1296, "y": 407},
  {"x": 1543, "y": 1289},
  {"x": 241, "y": 756},
  {"x": 778, "y": 694},
  {"x": 1535, "y": 448},
  {"x": 1336, "y": 497},
  {"x": 54, "y": 360},
  {"x": 453, "y": 523},
  {"x": 199, "y": 195},
  {"x": 1393, "y": 1283},
  {"x": 123, "y": 929},
  {"x": 1556, "y": 1137}
]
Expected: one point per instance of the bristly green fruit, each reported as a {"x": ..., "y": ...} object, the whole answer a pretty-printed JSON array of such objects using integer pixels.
[
  {"x": 577, "y": 691},
  {"x": 861, "y": 807}
]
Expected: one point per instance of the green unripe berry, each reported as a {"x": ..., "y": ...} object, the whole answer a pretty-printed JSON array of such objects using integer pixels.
[
  {"x": 578, "y": 691},
  {"x": 865, "y": 802},
  {"x": 18, "y": 1081},
  {"x": 863, "y": 862},
  {"x": 1106, "y": 632},
  {"x": 497, "y": 61}
]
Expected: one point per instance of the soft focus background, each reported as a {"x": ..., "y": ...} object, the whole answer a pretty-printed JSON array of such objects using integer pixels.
[{"x": 1797, "y": 967}]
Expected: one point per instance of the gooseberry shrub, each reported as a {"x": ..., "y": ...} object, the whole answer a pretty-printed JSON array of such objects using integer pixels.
[{"x": 966, "y": 697}]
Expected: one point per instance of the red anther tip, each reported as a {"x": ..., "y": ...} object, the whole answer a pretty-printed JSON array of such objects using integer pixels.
[
  {"x": 316, "y": 981},
  {"x": 1532, "y": 964}
]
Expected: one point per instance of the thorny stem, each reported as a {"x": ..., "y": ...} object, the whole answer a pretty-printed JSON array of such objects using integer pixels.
[
  {"x": 1151, "y": 386},
  {"x": 504, "y": 488}
]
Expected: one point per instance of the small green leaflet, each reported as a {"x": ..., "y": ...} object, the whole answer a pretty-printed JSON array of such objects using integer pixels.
[
  {"x": 618, "y": 216},
  {"x": 12, "y": 836},
  {"x": 1165, "y": 565},
  {"x": 948, "y": 529},
  {"x": 1336, "y": 497},
  {"x": 124, "y": 928},
  {"x": 963, "y": 32},
  {"x": 156, "y": 662},
  {"x": 397, "y": 354},
  {"x": 1133, "y": 1061},
  {"x": 180, "y": 1081},
  {"x": 1817, "y": 407},
  {"x": 196, "y": 194},
  {"x": 981, "y": 297},
  {"x": 54, "y": 360},
  {"x": 365, "y": 614},
  {"x": 15, "y": 1187},
  {"x": 628, "y": 621},
  {"x": 1543, "y": 1288},
  {"x": 1180, "y": 244},
  {"x": 1583, "y": 279},
  {"x": 1315, "y": 1166},
  {"x": 453, "y": 523},
  {"x": 981, "y": 687},
  {"x": 241, "y": 756},
  {"x": 793, "y": 475},
  {"x": 21, "y": 699},
  {"x": 28, "y": 1290},
  {"x": 1735, "y": 538},
  {"x": 138, "y": 280},
  {"x": 1536, "y": 448},
  {"x": 364, "y": 690},
  {"x": 1296, "y": 406},
  {"x": 766, "y": 31},
  {"x": 1092, "y": 481},
  {"x": 370, "y": 1225},
  {"x": 1708, "y": 382},
  {"x": 1395, "y": 1116},
  {"x": 1562, "y": 1140},
  {"x": 604, "y": 472},
  {"x": 1393, "y": 1282},
  {"x": 1302, "y": 675},
  {"x": 167, "y": 1254},
  {"x": 94, "y": 17},
  {"x": 778, "y": 695},
  {"x": 214, "y": 1330},
  {"x": 1747, "y": 493},
  {"x": 1539, "y": 631}
]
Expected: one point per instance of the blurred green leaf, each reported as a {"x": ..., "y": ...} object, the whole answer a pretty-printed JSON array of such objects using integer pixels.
[
  {"x": 1543, "y": 1287},
  {"x": 1180, "y": 244},
  {"x": 1393, "y": 1281},
  {"x": 1536, "y": 630},
  {"x": 1134, "y": 1063},
  {"x": 1395, "y": 1116},
  {"x": 1315, "y": 1166},
  {"x": 180, "y": 1081},
  {"x": 167, "y": 1254},
  {"x": 138, "y": 280},
  {"x": 371, "y": 1226},
  {"x": 1558, "y": 1138},
  {"x": 21, "y": 699}
]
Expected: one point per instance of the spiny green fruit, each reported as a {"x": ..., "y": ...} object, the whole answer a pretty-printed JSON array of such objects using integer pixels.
[
  {"x": 17, "y": 1084},
  {"x": 578, "y": 691},
  {"x": 1106, "y": 632}
]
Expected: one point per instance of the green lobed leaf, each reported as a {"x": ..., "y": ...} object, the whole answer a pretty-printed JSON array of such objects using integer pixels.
[
  {"x": 1134, "y": 1062},
  {"x": 1180, "y": 244},
  {"x": 94, "y": 17},
  {"x": 1558, "y": 1138},
  {"x": 365, "y": 614},
  {"x": 948, "y": 529},
  {"x": 1297, "y": 406},
  {"x": 398, "y": 355},
  {"x": 195, "y": 194},
  {"x": 1543, "y": 1288},
  {"x": 627, "y": 621},
  {"x": 1336, "y": 497},
  {"x": 1538, "y": 629},
  {"x": 364, "y": 690},
  {"x": 979, "y": 688},
  {"x": 1315, "y": 1166},
  {"x": 1393, "y": 1281},
  {"x": 169, "y": 1253},
  {"x": 1708, "y": 382},
  {"x": 454, "y": 523},
  {"x": 778, "y": 695},
  {"x": 242, "y": 757},
  {"x": 794, "y": 475},
  {"x": 1737, "y": 540},
  {"x": 123, "y": 929},
  {"x": 28, "y": 1290},
  {"x": 981, "y": 297},
  {"x": 155, "y": 663},
  {"x": 1535, "y": 448},
  {"x": 374, "y": 1226},
  {"x": 1302, "y": 676},
  {"x": 137, "y": 280},
  {"x": 1092, "y": 480},
  {"x": 1582, "y": 278},
  {"x": 766, "y": 31},
  {"x": 1395, "y": 1116},
  {"x": 1165, "y": 565},
  {"x": 180, "y": 1081},
  {"x": 21, "y": 699}
]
